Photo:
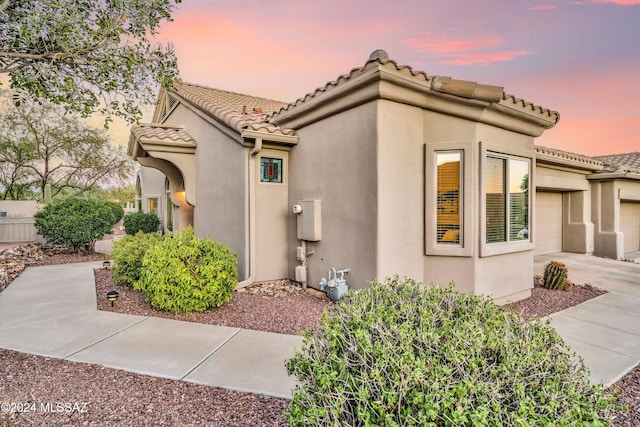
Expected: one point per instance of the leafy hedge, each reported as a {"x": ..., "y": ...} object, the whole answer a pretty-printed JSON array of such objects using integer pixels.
[
  {"x": 140, "y": 222},
  {"x": 185, "y": 273},
  {"x": 128, "y": 253},
  {"x": 118, "y": 211},
  {"x": 405, "y": 354},
  {"x": 75, "y": 222}
]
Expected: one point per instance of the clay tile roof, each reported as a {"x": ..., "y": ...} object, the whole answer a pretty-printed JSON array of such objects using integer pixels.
[
  {"x": 380, "y": 57},
  {"x": 237, "y": 111},
  {"x": 375, "y": 60},
  {"x": 162, "y": 132},
  {"x": 568, "y": 157},
  {"x": 626, "y": 162},
  {"x": 511, "y": 100}
]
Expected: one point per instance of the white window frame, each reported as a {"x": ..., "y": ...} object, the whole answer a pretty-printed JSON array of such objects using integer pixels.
[
  {"x": 467, "y": 233},
  {"x": 498, "y": 248}
]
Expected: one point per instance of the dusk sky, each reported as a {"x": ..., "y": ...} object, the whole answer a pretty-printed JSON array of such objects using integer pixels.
[{"x": 578, "y": 57}]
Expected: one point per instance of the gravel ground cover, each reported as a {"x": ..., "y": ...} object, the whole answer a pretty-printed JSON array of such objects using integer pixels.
[
  {"x": 544, "y": 302},
  {"x": 46, "y": 391},
  {"x": 281, "y": 307}
]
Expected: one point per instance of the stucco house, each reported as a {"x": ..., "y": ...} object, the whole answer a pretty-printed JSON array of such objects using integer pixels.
[{"x": 384, "y": 171}]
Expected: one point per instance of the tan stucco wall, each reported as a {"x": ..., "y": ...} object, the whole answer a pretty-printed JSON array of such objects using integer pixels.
[
  {"x": 372, "y": 188},
  {"x": 505, "y": 277},
  {"x": 400, "y": 164},
  {"x": 577, "y": 227},
  {"x": 549, "y": 177},
  {"x": 335, "y": 162},
  {"x": 221, "y": 184},
  {"x": 606, "y": 197},
  {"x": 19, "y": 208},
  {"x": 605, "y": 215}
]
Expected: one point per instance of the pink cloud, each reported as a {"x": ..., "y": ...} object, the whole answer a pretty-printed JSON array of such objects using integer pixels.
[
  {"x": 442, "y": 43},
  {"x": 619, "y": 2},
  {"x": 544, "y": 7},
  {"x": 483, "y": 58},
  {"x": 455, "y": 51}
]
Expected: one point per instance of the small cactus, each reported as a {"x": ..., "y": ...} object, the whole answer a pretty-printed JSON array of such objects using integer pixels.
[{"x": 555, "y": 277}]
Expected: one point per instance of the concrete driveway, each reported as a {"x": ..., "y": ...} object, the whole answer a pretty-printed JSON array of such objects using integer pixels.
[{"x": 604, "y": 331}]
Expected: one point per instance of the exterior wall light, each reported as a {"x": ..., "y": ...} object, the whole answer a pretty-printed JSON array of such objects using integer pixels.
[{"x": 112, "y": 296}]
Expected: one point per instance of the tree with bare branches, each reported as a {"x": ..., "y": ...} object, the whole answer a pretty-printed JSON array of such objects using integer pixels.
[{"x": 42, "y": 146}]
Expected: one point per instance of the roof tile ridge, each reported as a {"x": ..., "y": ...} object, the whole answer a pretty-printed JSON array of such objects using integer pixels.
[
  {"x": 567, "y": 154},
  {"x": 619, "y": 154},
  {"x": 527, "y": 104},
  {"x": 346, "y": 77},
  {"x": 208, "y": 88}
]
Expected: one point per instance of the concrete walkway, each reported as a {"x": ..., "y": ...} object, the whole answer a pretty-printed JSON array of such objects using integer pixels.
[
  {"x": 605, "y": 330},
  {"x": 51, "y": 311}
]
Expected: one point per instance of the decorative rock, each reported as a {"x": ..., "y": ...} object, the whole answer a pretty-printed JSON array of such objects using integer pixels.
[
  {"x": 316, "y": 293},
  {"x": 13, "y": 261},
  {"x": 278, "y": 288}
]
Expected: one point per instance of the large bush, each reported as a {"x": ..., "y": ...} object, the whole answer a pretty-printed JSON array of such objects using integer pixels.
[
  {"x": 118, "y": 211},
  {"x": 405, "y": 354},
  {"x": 128, "y": 253},
  {"x": 185, "y": 273},
  {"x": 76, "y": 223},
  {"x": 140, "y": 222}
]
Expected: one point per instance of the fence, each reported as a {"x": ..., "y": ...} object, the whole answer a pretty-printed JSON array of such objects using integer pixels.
[{"x": 17, "y": 230}]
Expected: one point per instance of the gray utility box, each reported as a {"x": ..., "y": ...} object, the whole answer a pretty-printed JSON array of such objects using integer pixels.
[{"x": 309, "y": 221}]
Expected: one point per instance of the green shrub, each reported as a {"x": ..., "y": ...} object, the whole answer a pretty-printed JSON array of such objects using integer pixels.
[
  {"x": 140, "y": 222},
  {"x": 118, "y": 211},
  {"x": 75, "y": 223},
  {"x": 185, "y": 273},
  {"x": 128, "y": 253},
  {"x": 405, "y": 354}
]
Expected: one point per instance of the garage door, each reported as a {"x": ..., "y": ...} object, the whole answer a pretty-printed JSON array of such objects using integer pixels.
[
  {"x": 548, "y": 230},
  {"x": 630, "y": 225}
]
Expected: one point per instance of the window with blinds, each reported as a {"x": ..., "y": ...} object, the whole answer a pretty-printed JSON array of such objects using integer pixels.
[
  {"x": 495, "y": 203},
  {"x": 518, "y": 200},
  {"x": 449, "y": 198},
  {"x": 507, "y": 199}
]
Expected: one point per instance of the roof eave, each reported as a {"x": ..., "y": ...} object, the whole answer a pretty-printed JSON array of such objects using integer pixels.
[
  {"x": 602, "y": 176},
  {"x": 288, "y": 140},
  {"x": 556, "y": 160}
]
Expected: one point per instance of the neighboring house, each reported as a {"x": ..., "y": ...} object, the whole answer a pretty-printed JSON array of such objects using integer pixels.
[
  {"x": 616, "y": 205},
  {"x": 384, "y": 171}
]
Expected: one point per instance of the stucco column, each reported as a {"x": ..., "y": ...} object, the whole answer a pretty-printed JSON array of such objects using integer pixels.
[
  {"x": 606, "y": 218},
  {"x": 578, "y": 236}
]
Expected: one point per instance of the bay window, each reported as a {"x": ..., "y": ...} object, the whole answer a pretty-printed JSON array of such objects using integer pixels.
[{"x": 507, "y": 199}]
